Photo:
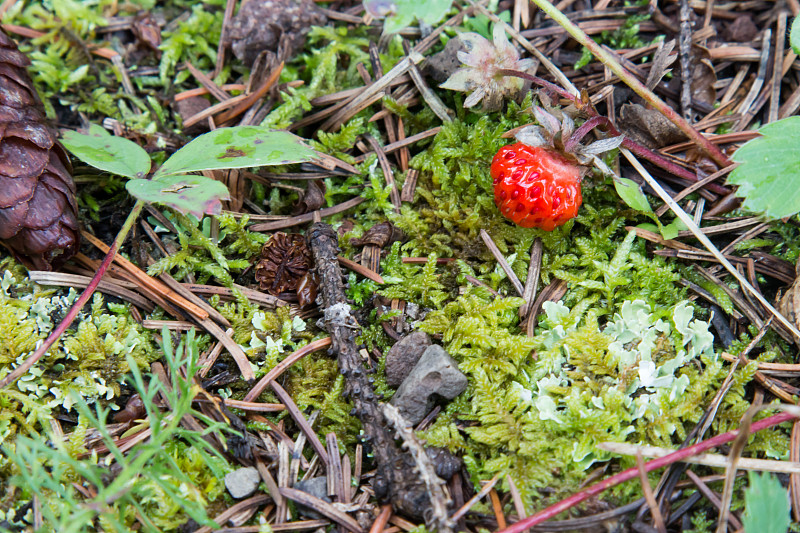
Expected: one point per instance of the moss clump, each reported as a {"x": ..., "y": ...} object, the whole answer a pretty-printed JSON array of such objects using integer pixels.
[{"x": 538, "y": 416}]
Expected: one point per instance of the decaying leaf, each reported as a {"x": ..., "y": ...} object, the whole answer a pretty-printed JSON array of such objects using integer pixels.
[
  {"x": 285, "y": 265},
  {"x": 648, "y": 126},
  {"x": 790, "y": 302},
  {"x": 38, "y": 212},
  {"x": 380, "y": 235},
  {"x": 313, "y": 199}
]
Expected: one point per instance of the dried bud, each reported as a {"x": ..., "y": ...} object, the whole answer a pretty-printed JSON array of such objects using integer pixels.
[
  {"x": 146, "y": 30},
  {"x": 285, "y": 262},
  {"x": 134, "y": 410},
  {"x": 480, "y": 74},
  {"x": 307, "y": 289}
]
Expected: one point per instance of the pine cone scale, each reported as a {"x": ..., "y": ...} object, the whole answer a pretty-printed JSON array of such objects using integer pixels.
[
  {"x": 21, "y": 159},
  {"x": 38, "y": 210},
  {"x": 17, "y": 191}
]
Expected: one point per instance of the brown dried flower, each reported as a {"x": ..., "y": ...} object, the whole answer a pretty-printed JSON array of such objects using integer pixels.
[{"x": 285, "y": 261}]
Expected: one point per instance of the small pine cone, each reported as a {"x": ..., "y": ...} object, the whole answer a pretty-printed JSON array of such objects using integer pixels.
[{"x": 38, "y": 210}]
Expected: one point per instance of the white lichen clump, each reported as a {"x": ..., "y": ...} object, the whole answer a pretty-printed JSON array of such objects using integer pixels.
[{"x": 636, "y": 376}]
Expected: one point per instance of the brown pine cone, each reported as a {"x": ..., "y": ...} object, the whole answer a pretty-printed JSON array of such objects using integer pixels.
[{"x": 38, "y": 210}]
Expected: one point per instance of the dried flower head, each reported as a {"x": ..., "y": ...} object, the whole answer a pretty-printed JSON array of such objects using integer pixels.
[
  {"x": 562, "y": 135},
  {"x": 480, "y": 76},
  {"x": 285, "y": 261}
]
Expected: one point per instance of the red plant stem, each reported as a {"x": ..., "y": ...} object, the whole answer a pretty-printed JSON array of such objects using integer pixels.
[
  {"x": 633, "y": 473},
  {"x": 633, "y": 82},
  {"x": 79, "y": 303},
  {"x": 597, "y": 120},
  {"x": 585, "y": 128}
]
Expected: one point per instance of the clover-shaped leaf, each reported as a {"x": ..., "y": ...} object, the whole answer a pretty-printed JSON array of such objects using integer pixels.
[
  {"x": 102, "y": 150},
  {"x": 238, "y": 147},
  {"x": 196, "y": 195},
  {"x": 768, "y": 170}
]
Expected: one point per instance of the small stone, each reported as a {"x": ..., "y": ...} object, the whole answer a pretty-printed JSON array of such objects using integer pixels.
[
  {"x": 436, "y": 374},
  {"x": 442, "y": 65},
  {"x": 243, "y": 482},
  {"x": 404, "y": 355},
  {"x": 316, "y": 486}
]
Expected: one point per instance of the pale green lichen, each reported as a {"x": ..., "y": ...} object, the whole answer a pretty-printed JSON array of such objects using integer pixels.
[
  {"x": 541, "y": 405},
  {"x": 90, "y": 363}
]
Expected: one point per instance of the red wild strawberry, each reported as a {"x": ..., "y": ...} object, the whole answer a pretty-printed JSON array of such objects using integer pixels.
[{"x": 535, "y": 187}]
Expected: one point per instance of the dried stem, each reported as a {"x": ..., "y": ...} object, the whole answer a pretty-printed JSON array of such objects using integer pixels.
[
  {"x": 631, "y": 81},
  {"x": 633, "y": 473},
  {"x": 396, "y": 480},
  {"x": 686, "y": 219}
]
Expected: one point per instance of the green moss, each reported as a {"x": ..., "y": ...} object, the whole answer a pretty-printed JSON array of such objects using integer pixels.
[
  {"x": 195, "y": 40},
  {"x": 643, "y": 377}
]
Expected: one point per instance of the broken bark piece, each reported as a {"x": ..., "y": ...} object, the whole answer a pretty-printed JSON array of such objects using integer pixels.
[
  {"x": 395, "y": 479},
  {"x": 38, "y": 210},
  {"x": 404, "y": 355},
  {"x": 436, "y": 374}
]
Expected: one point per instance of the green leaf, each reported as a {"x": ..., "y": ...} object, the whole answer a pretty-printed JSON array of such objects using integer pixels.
[
  {"x": 238, "y": 147},
  {"x": 794, "y": 37},
  {"x": 632, "y": 194},
  {"x": 195, "y": 195},
  {"x": 428, "y": 11},
  {"x": 766, "y": 505},
  {"x": 768, "y": 170},
  {"x": 102, "y": 150},
  {"x": 670, "y": 231}
]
